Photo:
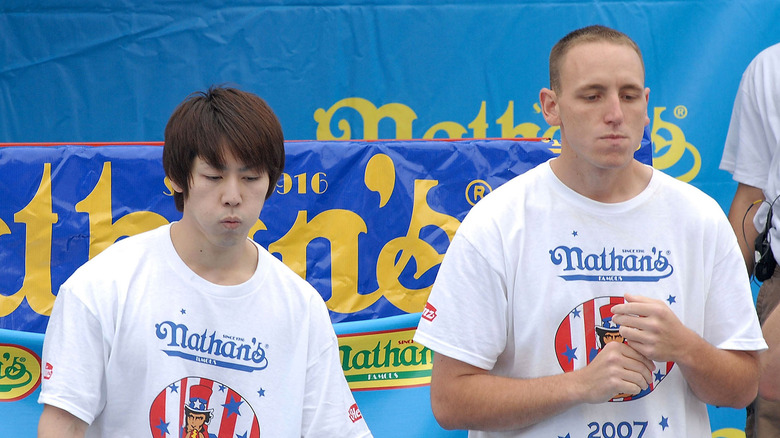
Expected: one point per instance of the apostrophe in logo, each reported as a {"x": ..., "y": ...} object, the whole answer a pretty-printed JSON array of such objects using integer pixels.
[
  {"x": 585, "y": 330},
  {"x": 354, "y": 413},
  {"x": 386, "y": 359},
  {"x": 195, "y": 406},
  {"x": 20, "y": 372}
]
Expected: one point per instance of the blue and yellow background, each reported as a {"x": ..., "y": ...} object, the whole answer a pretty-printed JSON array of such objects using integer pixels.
[{"x": 111, "y": 72}]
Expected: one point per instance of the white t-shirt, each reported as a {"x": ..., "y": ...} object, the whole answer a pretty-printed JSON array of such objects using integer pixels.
[
  {"x": 135, "y": 336},
  {"x": 750, "y": 153},
  {"x": 530, "y": 277}
]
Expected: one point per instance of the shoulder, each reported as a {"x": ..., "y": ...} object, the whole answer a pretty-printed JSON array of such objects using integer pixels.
[
  {"x": 288, "y": 282},
  {"x": 684, "y": 200},
  {"x": 123, "y": 255},
  {"x": 513, "y": 193}
]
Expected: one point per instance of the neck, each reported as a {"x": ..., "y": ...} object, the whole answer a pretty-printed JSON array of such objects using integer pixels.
[
  {"x": 610, "y": 185},
  {"x": 222, "y": 265}
]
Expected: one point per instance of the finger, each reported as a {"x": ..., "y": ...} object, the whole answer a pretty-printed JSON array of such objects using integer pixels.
[{"x": 639, "y": 357}]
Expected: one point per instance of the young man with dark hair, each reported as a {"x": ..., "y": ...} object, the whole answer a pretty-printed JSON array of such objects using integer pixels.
[
  {"x": 513, "y": 312},
  {"x": 195, "y": 315}
]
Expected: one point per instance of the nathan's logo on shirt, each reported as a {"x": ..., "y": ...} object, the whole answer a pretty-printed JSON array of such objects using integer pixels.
[
  {"x": 429, "y": 312},
  {"x": 384, "y": 360},
  {"x": 211, "y": 348},
  {"x": 615, "y": 265},
  {"x": 49, "y": 371},
  {"x": 354, "y": 413},
  {"x": 198, "y": 407},
  {"x": 585, "y": 330},
  {"x": 20, "y": 372}
]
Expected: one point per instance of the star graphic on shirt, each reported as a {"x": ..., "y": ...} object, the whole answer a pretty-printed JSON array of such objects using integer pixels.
[
  {"x": 659, "y": 375},
  {"x": 163, "y": 426},
  {"x": 232, "y": 407},
  {"x": 173, "y": 387},
  {"x": 671, "y": 299},
  {"x": 570, "y": 353},
  {"x": 261, "y": 393},
  {"x": 222, "y": 388},
  {"x": 664, "y": 423},
  {"x": 242, "y": 436},
  {"x": 576, "y": 313},
  {"x": 566, "y": 436},
  {"x": 183, "y": 311},
  {"x": 574, "y": 233}
]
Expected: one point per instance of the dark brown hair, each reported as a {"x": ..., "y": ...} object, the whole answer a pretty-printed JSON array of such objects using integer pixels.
[
  {"x": 217, "y": 122},
  {"x": 590, "y": 34}
]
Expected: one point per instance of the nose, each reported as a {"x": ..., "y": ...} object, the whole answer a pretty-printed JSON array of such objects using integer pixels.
[
  {"x": 231, "y": 193},
  {"x": 614, "y": 110}
]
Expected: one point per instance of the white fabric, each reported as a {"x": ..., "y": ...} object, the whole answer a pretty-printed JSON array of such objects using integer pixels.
[
  {"x": 513, "y": 292},
  {"x": 133, "y": 328},
  {"x": 750, "y": 153}
]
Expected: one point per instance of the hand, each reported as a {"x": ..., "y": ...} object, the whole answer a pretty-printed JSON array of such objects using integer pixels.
[
  {"x": 616, "y": 370},
  {"x": 651, "y": 328}
]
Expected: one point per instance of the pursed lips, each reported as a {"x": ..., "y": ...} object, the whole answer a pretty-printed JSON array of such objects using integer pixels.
[{"x": 231, "y": 222}]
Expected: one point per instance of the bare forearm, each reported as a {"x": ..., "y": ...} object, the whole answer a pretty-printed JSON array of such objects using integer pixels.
[
  {"x": 466, "y": 397},
  {"x": 488, "y": 402},
  {"x": 720, "y": 377},
  {"x": 769, "y": 385},
  {"x": 57, "y": 423},
  {"x": 741, "y": 215}
]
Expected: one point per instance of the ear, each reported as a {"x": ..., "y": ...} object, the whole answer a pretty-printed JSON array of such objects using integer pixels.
[
  {"x": 175, "y": 187},
  {"x": 548, "y": 99},
  {"x": 647, "y": 102}
]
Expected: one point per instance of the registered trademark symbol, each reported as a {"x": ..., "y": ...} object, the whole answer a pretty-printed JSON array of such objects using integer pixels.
[
  {"x": 476, "y": 190},
  {"x": 680, "y": 111}
]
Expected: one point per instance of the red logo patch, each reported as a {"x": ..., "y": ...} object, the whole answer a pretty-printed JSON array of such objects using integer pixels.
[
  {"x": 49, "y": 370},
  {"x": 429, "y": 312},
  {"x": 354, "y": 413}
]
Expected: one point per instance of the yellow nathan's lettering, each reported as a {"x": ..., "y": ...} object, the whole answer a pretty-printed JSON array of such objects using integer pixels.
[
  {"x": 341, "y": 228},
  {"x": 38, "y": 218},
  {"x": 398, "y": 252},
  {"x": 669, "y": 151},
  {"x": 451, "y": 130},
  {"x": 402, "y": 115},
  {"x": 524, "y": 130},
  {"x": 479, "y": 125},
  {"x": 103, "y": 230}
]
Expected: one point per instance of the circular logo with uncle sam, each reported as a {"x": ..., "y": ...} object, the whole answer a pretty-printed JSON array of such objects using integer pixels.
[
  {"x": 201, "y": 408},
  {"x": 585, "y": 330}
]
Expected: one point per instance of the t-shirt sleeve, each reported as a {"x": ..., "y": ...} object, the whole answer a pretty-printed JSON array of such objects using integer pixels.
[
  {"x": 731, "y": 319},
  {"x": 466, "y": 314},
  {"x": 751, "y": 142},
  {"x": 329, "y": 409},
  {"x": 74, "y": 355}
]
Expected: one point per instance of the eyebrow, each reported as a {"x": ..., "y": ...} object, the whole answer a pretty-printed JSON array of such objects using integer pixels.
[{"x": 599, "y": 87}]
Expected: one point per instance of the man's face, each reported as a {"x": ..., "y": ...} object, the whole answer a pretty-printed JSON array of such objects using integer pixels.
[
  {"x": 195, "y": 421},
  {"x": 223, "y": 203},
  {"x": 601, "y": 105},
  {"x": 612, "y": 337}
]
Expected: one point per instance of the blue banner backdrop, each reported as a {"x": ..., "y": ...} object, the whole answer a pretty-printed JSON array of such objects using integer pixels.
[
  {"x": 366, "y": 223},
  {"x": 112, "y": 70}
]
